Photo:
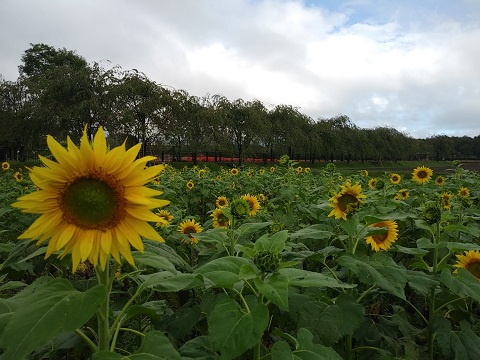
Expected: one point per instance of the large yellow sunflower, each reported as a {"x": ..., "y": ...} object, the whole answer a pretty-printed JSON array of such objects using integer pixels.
[
  {"x": 234, "y": 171},
  {"x": 5, "y": 165},
  {"x": 470, "y": 260},
  {"x": 384, "y": 240},
  {"x": 346, "y": 201},
  {"x": 92, "y": 201},
  {"x": 189, "y": 227},
  {"x": 422, "y": 174},
  {"x": 253, "y": 203}
]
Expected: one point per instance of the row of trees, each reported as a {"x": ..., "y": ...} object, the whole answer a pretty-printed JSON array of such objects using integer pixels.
[{"x": 58, "y": 92}]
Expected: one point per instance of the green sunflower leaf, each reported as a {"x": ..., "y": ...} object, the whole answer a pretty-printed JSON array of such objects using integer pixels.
[
  {"x": 155, "y": 346},
  {"x": 306, "y": 350},
  {"x": 378, "y": 269},
  {"x": 165, "y": 281},
  {"x": 275, "y": 289},
  {"x": 274, "y": 243},
  {"x": 46, "y": 308},
  {"x": 463, "y": 284},
  {"x": 305, "y": 278},
  {"x": 233, "y": 330},
  {"x": 222, "y": 272}
]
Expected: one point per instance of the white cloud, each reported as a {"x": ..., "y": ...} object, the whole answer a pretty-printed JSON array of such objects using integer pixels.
[{"x": 402, "y": 64}]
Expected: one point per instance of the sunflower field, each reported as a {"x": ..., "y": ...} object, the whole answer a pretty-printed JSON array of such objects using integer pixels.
[{"x": 104, "y": 256}]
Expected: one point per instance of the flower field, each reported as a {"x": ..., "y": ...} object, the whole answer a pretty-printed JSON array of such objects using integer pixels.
[{"x": 103, "y": 256}]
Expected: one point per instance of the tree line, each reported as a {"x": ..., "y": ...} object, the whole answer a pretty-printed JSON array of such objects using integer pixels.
[{"x": 58, "y": 92}]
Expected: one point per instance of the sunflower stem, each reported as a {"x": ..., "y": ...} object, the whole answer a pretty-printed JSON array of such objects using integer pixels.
[
  {"x": 103, "y": 311},
  {"x": 431, "y": 302}
]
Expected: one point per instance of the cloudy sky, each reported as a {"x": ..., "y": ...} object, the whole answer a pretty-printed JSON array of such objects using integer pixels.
[{"x": 413, "y": 65}]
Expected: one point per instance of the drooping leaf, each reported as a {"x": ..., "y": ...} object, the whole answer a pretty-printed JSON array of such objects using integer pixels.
[
  {"x": 330, "y": 322},
  {"x": 165, "y": 281},
  {"x": 153, "y": 260},
  {"x": 378, "y": 270},
  {"x": 305, "y": 278},
  {"x": 421, "y": 282},
  {"x": 463, "y": 284},
  {"x": 316, "y": 232}
]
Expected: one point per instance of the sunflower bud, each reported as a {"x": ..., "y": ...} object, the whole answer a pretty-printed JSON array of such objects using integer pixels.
[
  {"x": 240, "y": 208},
  {"x": 431, "y": 213},
  {"x": 267, "y": 261},
  {"x": 379, "y": 184}
]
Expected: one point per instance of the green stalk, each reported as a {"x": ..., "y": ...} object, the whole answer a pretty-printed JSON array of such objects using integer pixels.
[
  {"x": 431, "y": 300},
  {"x": 103, "y": 277}
]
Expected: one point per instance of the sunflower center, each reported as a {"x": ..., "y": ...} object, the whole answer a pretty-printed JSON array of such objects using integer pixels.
[
  {"x": 474, "y": 268},
  {"x": 422, "y": 174},
  {"x": 92, "y": 203},
  {"x": 347, "y": 202},
  {"x": 189, "y": 230}
]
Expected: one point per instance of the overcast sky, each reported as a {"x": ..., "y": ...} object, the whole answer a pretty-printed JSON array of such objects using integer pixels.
[{"x": 413, "y": 65}]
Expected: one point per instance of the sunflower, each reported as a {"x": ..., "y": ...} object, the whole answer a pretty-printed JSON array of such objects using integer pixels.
[
  {"x": 221, "y": 202},
  {"x": 299, "y": 169},
  {"x": 240, "y": 208},
  {"x": 440, "y": 180},
  {"x": 220, "y": 220},
  {"x": 307, "y": 170},
  {"x": 395, "y": 178},
  {"x": 156, "y": 181},
  {"x": 364, "y": 173},
  {"x": 422, "y": 174},
  {"x": 261, "y": 171},
  {"x": 464, "y": 193},
  {"x": 234, "y": 171},
  {"x": 189, "y": 227},
  {"x": 92, "y": 201},
  {"x": 402, "y": 194},
  {"x": 470, "y": 261},
  {"x": 253, "y": 203},
  {"x": 18, "y": 176},
  {"x": 262, "y": 197},
  {"x": 445, "y": 199},
  {"x": 165, "y": 218},
  {"x": 384, "y": 240},
  {"x": 346, "y": 201},
  {"x": 5, "y": 165},
  {"x": 272, "y": 169},
  {"x": 190, "y": 184},
  {"x": 372, "y": 183}
]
